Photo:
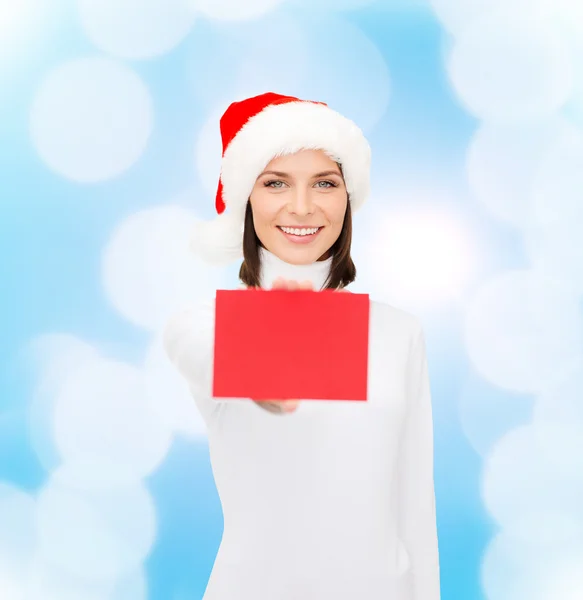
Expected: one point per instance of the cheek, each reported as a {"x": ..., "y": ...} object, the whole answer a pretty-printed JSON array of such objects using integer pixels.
[
  {"x": 263, "y": 209},
  {"x": 336, "y": 211}
]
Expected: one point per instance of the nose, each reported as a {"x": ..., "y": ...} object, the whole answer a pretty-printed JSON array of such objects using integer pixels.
[{"x": 301, "y": 202}]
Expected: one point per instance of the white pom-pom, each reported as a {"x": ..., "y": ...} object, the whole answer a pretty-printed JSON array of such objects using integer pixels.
[{"x": 219, "y": 242}]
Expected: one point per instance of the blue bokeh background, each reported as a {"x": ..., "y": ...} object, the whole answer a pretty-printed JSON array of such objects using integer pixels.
[{"x": 55, "y": 227}]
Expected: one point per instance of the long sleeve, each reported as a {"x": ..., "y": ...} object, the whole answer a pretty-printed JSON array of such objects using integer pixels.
[
  {"x": 188, "y": 339},
  {"x": 415, "y": 484}
]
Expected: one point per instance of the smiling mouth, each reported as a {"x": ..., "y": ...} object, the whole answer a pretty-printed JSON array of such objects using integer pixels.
[
  {"x": 300, "y": 235},
  {"x": 302, "y": 229}
]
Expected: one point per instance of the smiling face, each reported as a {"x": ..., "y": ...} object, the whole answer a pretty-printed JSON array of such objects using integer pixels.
[{"x": 299, "y": 202}]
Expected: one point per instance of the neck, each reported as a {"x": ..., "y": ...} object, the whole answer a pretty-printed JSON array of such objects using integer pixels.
[{"x": 273, "y": 267}]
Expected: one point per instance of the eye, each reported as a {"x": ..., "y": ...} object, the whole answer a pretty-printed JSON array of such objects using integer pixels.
[
  {"x": 273, "y": 182},
  {"x": 329, "y": 184}
]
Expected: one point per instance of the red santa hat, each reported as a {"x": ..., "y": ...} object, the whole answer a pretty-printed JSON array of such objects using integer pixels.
[{"x": 256, "y": 130}]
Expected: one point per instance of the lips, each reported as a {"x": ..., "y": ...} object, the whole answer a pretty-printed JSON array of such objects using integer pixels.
[
  {"x": 301, "y": 239},
  {"x": 300, "y": 227}
]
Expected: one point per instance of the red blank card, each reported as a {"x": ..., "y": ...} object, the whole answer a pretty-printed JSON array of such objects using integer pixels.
[{"x": 284, "y": 344}]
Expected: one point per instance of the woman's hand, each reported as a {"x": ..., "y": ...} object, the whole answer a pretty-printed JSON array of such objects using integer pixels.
[
  {"x": 278, "y": 406},
  {"x": 289, "y": 284}
]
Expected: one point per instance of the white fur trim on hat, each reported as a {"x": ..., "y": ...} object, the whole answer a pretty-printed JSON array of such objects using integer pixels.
[
  {"x": 219, "y": 242},
  {"x": 287, "y": 128}
]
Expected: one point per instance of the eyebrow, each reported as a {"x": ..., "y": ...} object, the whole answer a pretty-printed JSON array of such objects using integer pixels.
[{"x": 282, "y": 174}]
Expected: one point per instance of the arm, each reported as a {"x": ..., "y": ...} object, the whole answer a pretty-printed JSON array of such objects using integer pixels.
[
  {"x": 188, "y": 340},
  {"x": 415, "y": 485},
  {"x": 189, "y": 344}
]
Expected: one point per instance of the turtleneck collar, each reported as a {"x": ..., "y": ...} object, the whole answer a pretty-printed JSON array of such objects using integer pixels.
[{"x": 273, "y": 267}]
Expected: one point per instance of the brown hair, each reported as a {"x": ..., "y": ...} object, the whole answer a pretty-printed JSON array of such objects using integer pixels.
[{"x": 342, "y": 269}]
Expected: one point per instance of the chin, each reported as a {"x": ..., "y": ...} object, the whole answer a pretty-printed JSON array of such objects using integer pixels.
[{"x": 299, "y": 255}]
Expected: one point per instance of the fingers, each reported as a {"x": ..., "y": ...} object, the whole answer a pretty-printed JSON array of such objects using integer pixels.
[
  {"x": 279, "y": 284},
  {"x": 278, "y": 406},
  {"x": 289, "y": 284},
  {"x": 290, "y": 405}
]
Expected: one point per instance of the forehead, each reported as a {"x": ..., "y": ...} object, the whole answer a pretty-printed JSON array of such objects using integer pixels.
[{"x": 303, "y": 160}]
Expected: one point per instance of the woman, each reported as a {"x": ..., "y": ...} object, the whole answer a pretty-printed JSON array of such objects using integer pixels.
[{"x": 328, "y": 500}]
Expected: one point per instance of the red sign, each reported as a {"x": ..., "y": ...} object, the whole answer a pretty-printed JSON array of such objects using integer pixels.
[{"x": 291, "y": 344}]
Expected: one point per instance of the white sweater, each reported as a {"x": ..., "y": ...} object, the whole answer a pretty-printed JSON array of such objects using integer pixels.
[{"x": 336, "y": 500}]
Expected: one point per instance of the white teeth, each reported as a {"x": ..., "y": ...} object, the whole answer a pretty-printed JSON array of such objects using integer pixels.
[{"x": 300, "y": 231}]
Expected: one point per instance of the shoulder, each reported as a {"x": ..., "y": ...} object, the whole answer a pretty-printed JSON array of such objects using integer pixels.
[
  {"x": 395, "y": 316},
  {"x": 397, "y": 321}
]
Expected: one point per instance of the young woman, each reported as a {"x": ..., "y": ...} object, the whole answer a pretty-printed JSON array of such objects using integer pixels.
[{"x": 324, "y": 500}]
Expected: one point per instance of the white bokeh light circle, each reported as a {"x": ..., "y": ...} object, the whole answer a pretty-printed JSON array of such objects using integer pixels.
[
  {"x": 562, "y": 400},
  {"x": 274, "y": 57},
  {"x": 567, "y": 17},
  {"x": 521, "y": 472},
  {"x": 502, "y": 162},
  {"x": 148, "y": 269},
  {"x": 22, "y": 25},
  {"x": 324, "y": 58},
  {"x": 458, "y": 15},
  {"x": 346, "y": 70},
  {"x": 11, "y": 588},
  {"x": 54, "y": 356},
  {"x": 135, "y": 29},
  {"x": 208, "y": 153},
  {"x": 103, "y": 410},
  {"x": 486, "y": 413},
  {"x": 563, "y": 443},
  {"x": 98, "y": 536},
  {"x": 556, "y": 251},
  {"x": 416, "y": 257},
  {"x": 521, "y": 328},
  {"x": 535, "y": 530},
  {"x": 47, "y": 582},
  {"x": 167, "y": 387},
  {"x": 232, "y": 63},
  {"x": 44, "y": 581},
  {"x": 346, "y": 4},
  {"x": 565, "y": 14},
  {"x": 213, "y": 56},
  {"x": 563, "y": 578},
  {"x": 91, "y": 119},
  {"x": 18, "y": 531},
  {"x": 530, "y": 569},
  {"x": 558, "y": 185},
  {"x": 510, "y": 71},
  {"x": 15, "y": 16},
  {"x": 574, "y": 110},
  {"x": 234, "y": 10},
  {"x": 91, "y": 472},
  {"x": 131, "y": 587}
]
